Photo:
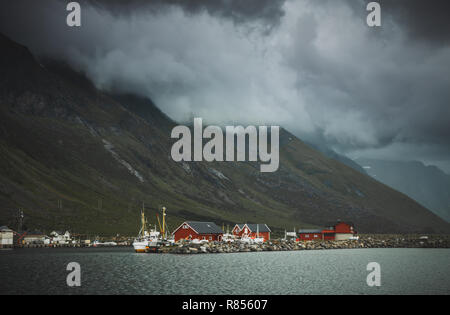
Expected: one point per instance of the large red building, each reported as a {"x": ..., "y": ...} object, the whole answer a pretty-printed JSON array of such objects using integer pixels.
[
  {"x": 190, "y": 230},
  {"x": 252, "y": 230},
  {"x": 339, "y": 232}
]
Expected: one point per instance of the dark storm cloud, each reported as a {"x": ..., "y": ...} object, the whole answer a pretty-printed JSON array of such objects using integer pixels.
[
  {"x": 374, "y": 87},
  {"x": 268, "y": 11},
  {"x": 311, "y": 66},
  {"x": 420, "y": 19},
  {"x": 424, "y": 20}
]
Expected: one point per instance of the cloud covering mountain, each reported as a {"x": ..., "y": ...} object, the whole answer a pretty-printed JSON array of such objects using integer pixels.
[{"x": 311, "y": 66}]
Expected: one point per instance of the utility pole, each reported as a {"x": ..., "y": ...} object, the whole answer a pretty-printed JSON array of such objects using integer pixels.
[{"x": 20, "y": 223}]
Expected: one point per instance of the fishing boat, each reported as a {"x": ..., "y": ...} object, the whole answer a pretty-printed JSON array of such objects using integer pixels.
[{"x": 148, "y": 241}]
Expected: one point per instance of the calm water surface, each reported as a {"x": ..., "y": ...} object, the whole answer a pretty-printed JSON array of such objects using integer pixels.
[{"x": 120, "y": 271}]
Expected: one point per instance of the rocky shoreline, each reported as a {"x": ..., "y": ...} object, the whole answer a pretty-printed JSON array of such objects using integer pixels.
[{"x": 286, "y": 245}]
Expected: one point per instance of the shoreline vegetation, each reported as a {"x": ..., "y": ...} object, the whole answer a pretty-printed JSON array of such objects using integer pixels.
[{"x": 365, "y": 241}]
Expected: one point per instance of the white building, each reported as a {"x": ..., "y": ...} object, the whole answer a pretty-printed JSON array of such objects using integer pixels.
[
  {"x": 6, "y": 237},
  {"x": 60, "y": 238},
  {"x": 35, "y": 237}
]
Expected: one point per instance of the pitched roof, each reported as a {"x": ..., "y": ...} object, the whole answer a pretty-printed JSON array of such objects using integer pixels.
[
  {"x": 4, "y": 228},
  {"x": 256, "y": 226},
  {"x": 205, "y": 227}
]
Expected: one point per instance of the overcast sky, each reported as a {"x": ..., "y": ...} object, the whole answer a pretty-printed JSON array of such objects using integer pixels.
[{"x": 311, "y": 66}]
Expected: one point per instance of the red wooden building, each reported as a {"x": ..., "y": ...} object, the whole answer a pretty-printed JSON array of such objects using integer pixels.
[
  {"x": 252, "y": 230},
  {"x": 190, "y": 230},
  {"x": 344, "y": 231},
  {"x": 339, "y": 231},
  {"x": 310, "y": 235}
]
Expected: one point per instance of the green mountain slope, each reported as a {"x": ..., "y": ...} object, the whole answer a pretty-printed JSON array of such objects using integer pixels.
[
  {"x": 75, "y": 157},
  {"x": 428, "y": 185}
]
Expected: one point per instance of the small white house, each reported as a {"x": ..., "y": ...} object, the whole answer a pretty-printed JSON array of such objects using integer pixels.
[
  {"x": 6, "y": 237},
  {"x": 60, "y": 237}
]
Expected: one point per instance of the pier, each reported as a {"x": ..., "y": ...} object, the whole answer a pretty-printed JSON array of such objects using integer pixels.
[{"x": 366, "y": 241}]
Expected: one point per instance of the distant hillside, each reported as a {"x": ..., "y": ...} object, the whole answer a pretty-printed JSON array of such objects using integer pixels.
[
  {"x": 427, "y": 185},
  {"x": 73, "y": 157},
  {"x": 338, "y": 157}
]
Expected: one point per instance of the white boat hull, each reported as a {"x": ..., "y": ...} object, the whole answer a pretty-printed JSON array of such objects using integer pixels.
[
  {"x": 140, "y": 246},
  {"x": 145, "y": 246}
]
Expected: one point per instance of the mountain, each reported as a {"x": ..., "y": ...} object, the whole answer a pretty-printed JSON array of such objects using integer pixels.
[
  {"x": 336, "y": 156},
  {"x": 428, "y": 185},
  {"x": 75, "y": 157}
]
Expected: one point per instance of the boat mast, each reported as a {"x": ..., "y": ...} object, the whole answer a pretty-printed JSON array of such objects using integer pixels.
[{"x": 164, "y": 222}]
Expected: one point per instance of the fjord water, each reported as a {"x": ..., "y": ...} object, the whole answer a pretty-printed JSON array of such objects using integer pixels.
[{"x": 120, "y": 271}]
